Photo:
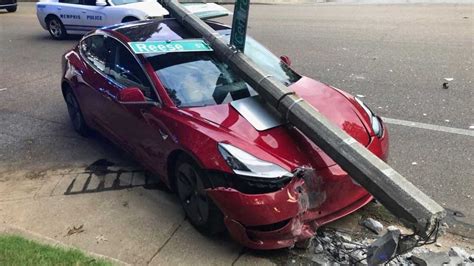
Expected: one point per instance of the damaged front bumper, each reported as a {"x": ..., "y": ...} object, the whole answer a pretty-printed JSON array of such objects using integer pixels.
[{"x": 280, "y": 219}]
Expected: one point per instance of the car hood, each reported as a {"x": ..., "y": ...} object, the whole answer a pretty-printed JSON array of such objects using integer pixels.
[
  {"x": 286, "y": 144},
  {"x": 151, "y": 8}
]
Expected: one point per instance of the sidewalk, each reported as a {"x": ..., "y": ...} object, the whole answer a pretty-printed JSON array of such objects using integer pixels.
[
  {"x": 123, "y": 216},
  {"x": 118, "y": 213}
]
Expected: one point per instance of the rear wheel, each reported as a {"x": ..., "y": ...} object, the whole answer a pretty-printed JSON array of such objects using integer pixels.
[
  {"x": 191, "y": 184},
  {"x": 11, "y": 9},
  {"x": 56, "y": 28},
  {"x": 75, "y": 114}
]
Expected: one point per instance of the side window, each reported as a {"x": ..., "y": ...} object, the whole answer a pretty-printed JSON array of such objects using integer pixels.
[
  {"x": 93, "y": 48},
  {"x": 88, "y": 2},
  {"x": 76, "y": 2},
  {"x": 125, "y": 70}
]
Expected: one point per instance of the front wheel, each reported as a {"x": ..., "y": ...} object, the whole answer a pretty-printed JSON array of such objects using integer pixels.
[
  {"x": 191, "y": 184},
  {"x": 11, "y": 9},
  {"x": 56, "y": 28}
]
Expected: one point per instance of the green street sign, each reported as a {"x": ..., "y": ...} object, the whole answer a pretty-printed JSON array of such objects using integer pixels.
[
  {"x": 155, "y": 47},
  {"x": 239, "y": 24}
]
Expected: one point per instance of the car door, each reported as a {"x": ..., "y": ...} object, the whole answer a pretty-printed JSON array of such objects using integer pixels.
[
  {"x": 93, "y": 16},
  {"x": 69, "y": 11},
  {"x": 94, "y": 83},
  {"x": 138, "y": 126}
]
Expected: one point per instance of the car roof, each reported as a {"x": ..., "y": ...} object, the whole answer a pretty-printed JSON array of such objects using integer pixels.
[{"x": 167, "y": 29}]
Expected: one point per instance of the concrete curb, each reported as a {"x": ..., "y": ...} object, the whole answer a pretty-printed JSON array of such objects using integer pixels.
[{"x": 13, "y": 230}]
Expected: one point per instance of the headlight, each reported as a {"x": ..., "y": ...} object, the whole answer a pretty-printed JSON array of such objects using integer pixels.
[
  {"x": 243, "y": 163},
  {"x": 374, "y": 119}
]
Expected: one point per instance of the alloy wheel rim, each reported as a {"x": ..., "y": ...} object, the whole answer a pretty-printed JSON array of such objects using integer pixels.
[
  {"x": 55, "y": 28},
  {"x": 192, "y": 194}
]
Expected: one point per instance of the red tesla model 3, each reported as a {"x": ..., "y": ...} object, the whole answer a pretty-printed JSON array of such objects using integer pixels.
[{"x": 192, "y": 121}]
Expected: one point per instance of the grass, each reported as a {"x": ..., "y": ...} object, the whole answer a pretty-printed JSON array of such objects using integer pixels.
[{"x": 15, "y": 250}]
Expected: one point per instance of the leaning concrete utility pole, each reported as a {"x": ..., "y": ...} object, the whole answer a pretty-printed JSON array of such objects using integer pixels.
[{"x": 395, "y": 192}]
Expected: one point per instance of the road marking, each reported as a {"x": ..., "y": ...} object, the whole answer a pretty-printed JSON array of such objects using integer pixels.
[{"x": 451, "y": 130}]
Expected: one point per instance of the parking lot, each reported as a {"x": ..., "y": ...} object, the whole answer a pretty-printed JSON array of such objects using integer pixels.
[{"x": 396, "y": 58}]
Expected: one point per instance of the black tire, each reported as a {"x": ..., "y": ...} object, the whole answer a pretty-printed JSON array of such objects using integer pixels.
[
  {"x": 191, "y": 182},
  {"x": 11, "y": 9},
  {"x": 129, "y": 19},
  {"x": 56, "y": 28},
  {"x": 75, "y": 114}
]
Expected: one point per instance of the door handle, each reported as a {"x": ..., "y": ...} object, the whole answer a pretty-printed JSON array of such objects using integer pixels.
[
  {"x": 164, "y": 136},
  {"x": 83, "y": 12},
  {"x": 107, "y": 93},
  {"x": 110, "y": 95},
  {"x": 59, "y": 8},
  {"x": 75, "y": 72}
]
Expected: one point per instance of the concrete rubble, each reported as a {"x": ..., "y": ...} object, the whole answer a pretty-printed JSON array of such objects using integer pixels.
[
  {"x": 430, "y": 258},
  {"x": 373, "y": 225},
  {"x": 331, "y": 246}
]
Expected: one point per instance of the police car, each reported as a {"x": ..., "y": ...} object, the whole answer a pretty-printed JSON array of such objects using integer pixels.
[{"x": 63, "y": 17}]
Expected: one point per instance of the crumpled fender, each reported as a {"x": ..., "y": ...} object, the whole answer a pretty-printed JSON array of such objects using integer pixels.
[
  {"x": 258, "y": 209},
  {"x": 302, "y": 193}
]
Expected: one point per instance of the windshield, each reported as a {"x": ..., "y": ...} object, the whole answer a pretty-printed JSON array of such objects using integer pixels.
[
  {"x": 267, "y": 61},
  {"x": 124, "y": 2},
  {"x": 200, "y": 79}
]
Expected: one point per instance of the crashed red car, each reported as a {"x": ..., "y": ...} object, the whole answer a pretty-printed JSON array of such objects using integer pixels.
[{"x": 192, "y": 121}]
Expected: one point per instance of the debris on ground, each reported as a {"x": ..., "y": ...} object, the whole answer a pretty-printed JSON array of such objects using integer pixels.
[
  {"x": 373, "y": 225},
  {"x": 331, "y": 246},
  {"x": 360, "y": 96},
  {"x": 445, "y": 84},
  {"x": 443, "y": 228},
  {"x": 458, "y": 252},
  {"x": 75, "y": 230},
  {"x": 384, "y": 248},
  {"x": 3, "y": 89},
  {"x": 430, "y": 258},
  {"x": 100, "y": 238}
]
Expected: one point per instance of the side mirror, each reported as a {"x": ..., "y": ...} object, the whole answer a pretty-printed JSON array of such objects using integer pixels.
[
  {"x": 285, "y": 59},
  {"x": 131, "y": 95},
  {"x": 100, "y": 3}
]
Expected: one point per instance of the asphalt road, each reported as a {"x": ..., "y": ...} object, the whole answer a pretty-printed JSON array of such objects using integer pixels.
[{"x": 396, "y": 56}]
